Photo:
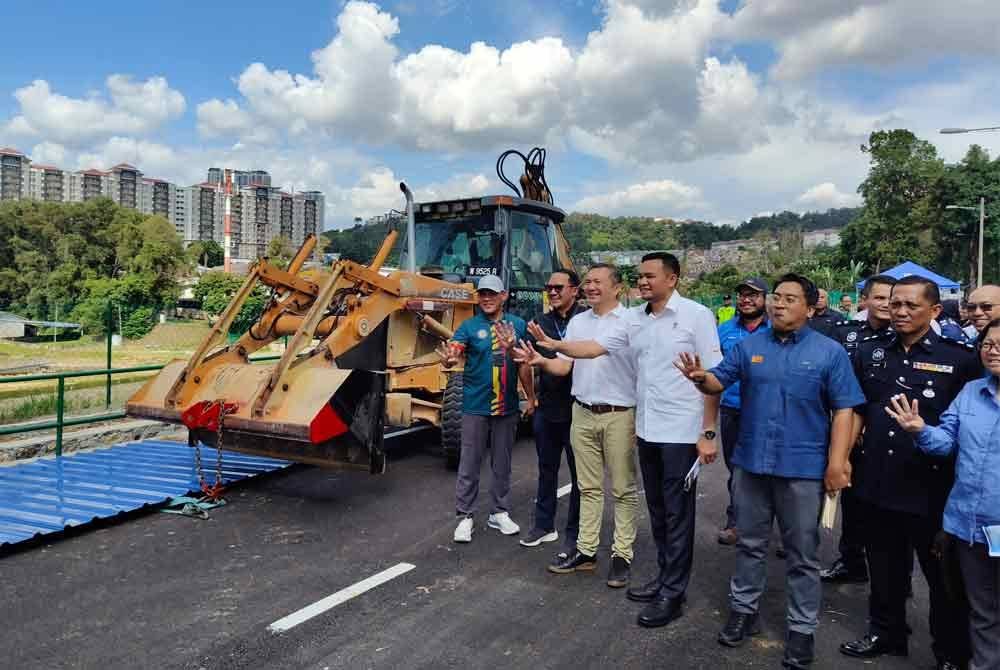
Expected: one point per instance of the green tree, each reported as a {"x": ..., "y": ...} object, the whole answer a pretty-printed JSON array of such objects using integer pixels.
[
  {"x": 896, "y": 219},
  {"x": 207, "y": 253}
]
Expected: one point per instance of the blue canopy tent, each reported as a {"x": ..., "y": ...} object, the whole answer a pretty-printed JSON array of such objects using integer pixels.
[{"x": 949, "y": 287}]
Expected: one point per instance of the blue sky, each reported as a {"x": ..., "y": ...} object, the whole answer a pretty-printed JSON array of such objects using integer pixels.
[{"x": 680, "y": 108}]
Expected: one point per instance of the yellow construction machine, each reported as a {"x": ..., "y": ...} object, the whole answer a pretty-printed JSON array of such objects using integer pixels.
[{"x": 360, "y": 356}]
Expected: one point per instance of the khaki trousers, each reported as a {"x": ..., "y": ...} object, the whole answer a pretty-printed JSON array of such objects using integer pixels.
[{"x": 599, "y": 441}]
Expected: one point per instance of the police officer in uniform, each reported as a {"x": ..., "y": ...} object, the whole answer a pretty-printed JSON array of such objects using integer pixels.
[
  {"x": 904, "y": 491},
  {"x": 851, "y": 567}
]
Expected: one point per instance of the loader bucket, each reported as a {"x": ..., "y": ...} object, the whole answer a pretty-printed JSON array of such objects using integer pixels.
[{"x": 319, "y": 415}]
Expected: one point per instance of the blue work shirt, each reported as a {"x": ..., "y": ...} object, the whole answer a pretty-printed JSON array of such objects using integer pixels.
[
  {"x": 971, "y": 424},
  {"x": 490, "y": 378},
  {"x": 787, "y": 390},
  {"x": 730, "y": 333}
]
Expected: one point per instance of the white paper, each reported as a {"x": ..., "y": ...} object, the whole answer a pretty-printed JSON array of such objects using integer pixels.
[
  {"x": 829, "y": 514},
  {"x": 692, "y": 474},
  {"x": 992, "y": 534}
]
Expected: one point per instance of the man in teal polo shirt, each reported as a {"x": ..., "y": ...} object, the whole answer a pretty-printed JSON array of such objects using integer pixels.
[{"x": 489, "y": 405}]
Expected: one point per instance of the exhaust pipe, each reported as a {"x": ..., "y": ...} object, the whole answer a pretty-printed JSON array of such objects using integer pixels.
[{"x": 411, "y": 230}]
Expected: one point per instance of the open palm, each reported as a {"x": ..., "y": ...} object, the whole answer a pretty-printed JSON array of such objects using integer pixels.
[{"x": 906, "y": 414}]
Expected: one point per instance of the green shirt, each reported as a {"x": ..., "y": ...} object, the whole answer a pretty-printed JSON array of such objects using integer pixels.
[{"x": 490, "y": 378}]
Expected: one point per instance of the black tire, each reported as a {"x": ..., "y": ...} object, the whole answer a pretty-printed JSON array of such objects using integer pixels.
[{"x": 451, "y": 421}]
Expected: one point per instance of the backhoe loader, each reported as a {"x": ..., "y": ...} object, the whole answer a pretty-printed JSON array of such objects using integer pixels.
[{"x": 360, "y": 355}]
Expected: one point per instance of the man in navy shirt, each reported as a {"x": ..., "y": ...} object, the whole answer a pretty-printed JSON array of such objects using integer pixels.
[
  {"x": 791, "y": 380},
  {"x": 750, "y": 317}
]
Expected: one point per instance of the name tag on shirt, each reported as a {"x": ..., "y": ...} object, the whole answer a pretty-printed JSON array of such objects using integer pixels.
[
  {"x": 757, "y": 359},
  {"x": 933, "y": 367}
]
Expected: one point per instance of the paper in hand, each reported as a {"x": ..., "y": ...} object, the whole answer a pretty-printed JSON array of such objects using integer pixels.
[
  {"x": 829, "y": 514},
  {"x": 992, "y": 534},
  {"x": 692, "y": 474}
]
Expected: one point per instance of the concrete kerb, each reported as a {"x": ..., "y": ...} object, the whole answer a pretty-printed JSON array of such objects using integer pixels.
[{"x": 44, "y": 444}]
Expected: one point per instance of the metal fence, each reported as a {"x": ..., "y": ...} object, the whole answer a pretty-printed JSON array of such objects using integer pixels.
[{"x": 61, "y": 421}]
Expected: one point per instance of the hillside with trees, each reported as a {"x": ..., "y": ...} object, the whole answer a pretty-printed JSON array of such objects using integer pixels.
[{"x": 68, "y": 260}]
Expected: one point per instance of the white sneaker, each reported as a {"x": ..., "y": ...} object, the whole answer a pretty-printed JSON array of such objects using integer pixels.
[
  {"x": 502, "y": 522},
  {"x": 463, "y": 533}
]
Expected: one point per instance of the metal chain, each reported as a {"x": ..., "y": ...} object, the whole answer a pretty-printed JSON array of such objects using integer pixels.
[
  {"x": 196, "y": 445},
  {"x": 218, "y": 448}
]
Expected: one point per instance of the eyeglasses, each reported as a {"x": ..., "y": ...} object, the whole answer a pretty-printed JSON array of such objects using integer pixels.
[
  {"x": 554, "y": 287},
  {"x": 990, "y": 345},
  {"x": 749, "y": 296},
  {"x": 987, "y": 307}
]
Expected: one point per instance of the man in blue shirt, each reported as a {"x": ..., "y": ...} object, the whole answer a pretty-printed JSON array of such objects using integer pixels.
[
  {"x": 791, "y": 380},
  {"x": 489, "y": 405},
  {"x": 750, "y": 317}
]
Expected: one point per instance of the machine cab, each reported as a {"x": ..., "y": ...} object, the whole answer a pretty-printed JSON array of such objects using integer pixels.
[{"x": 519, "y": 240}]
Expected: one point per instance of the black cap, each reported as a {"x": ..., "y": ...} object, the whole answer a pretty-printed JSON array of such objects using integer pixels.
[
  {"x": 755, "y": 283},
  {"x": 727, "y": 297}
]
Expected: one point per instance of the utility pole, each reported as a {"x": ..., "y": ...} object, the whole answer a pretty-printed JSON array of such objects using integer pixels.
[
  {"x": 982, "y": 224},
  {"x": 227, "y": 221}
]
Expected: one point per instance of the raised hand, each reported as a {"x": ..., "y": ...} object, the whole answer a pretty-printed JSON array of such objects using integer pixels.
[
  {"x": 525, "y": 354},
  {"x": 690, "y": 367},
  {"x": 506, "y": 335},
  {"x": 449, "y": 353},
  {"x": 543, "y": 340},
  {"x": 907, "y": 415}
]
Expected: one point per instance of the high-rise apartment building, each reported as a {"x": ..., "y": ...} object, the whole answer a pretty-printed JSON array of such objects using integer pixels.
[
  {"x": 13, "y": 174},
  {"x": 259, "y": 211}
]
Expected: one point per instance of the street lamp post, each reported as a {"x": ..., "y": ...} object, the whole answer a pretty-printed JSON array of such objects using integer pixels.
[
  {"x": 982, "y": 225},
  {"x": 956, "y": 131}
]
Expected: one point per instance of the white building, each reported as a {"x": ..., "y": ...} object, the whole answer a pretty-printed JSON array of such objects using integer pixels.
[{"x": 826, "y": 236}]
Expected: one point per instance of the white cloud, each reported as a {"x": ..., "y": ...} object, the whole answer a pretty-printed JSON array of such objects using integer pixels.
[
  {"x": 377, "y": 191},
  {"x": 815, "y": 35},
  {"x": 133, "y": 108},
  {"x": 652, "y": 198},
  {"x": 218, "y": 117},
  {"x": 826, "y": 195},
  {"x": 49, "y": 153}
]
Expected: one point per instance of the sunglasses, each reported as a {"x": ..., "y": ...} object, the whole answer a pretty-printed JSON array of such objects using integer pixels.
[
  {"x": 987, "y": 307},
  {"x": 550, "y": 288}
]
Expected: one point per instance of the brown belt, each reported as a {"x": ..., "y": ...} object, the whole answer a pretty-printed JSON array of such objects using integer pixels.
[{"x": 601, "y": 409}]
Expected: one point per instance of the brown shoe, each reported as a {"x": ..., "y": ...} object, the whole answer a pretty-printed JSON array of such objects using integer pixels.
[{"x": 728, "y": 536}]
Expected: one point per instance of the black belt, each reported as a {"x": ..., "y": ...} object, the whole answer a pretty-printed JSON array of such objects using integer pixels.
[{"x": 601, "y": 409}]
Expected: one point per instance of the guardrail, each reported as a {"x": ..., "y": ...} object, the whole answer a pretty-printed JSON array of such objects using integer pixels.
[{"x": 60, "y": 378}]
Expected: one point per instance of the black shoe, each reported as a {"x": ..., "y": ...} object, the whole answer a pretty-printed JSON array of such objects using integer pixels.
[
  {"x": 780, "y": 551},
  {"x": 739, "y": 627},
  {"x": 537, "y": 536},
  {"x": 660, "y": 612},
  {"x": 619, "y": 572},
  {"x": 840, "y": 573},
  {"x": 872, "y": 646},
  {"x": 645, "y": 593},
  {"x": 575, "y": 562},
  {"x": 798, "y": 651},
  {"x": 948, "y": 665}
]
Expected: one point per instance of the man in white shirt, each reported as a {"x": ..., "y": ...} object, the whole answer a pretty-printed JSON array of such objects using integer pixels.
[
  {"x": 675, "y": 426},
  {"x": 603, "y": 425}
]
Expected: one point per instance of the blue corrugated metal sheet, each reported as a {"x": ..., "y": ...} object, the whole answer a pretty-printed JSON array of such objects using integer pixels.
[{"x": 52, "y": 494}]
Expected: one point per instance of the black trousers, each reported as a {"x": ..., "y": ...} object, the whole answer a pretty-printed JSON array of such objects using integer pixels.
[
  {"x": 551, "y": 442},
  {"x": 729, "y": 429},
  {"x": 671, "y": 510},
  {"x": 892, "y": 537},
  {"x": 852, "y": 531}
]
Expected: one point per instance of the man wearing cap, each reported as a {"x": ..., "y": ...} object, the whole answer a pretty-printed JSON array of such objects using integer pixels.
[
  {"x": 751, "y": 317},
  {"x": 489, "y": 405},
  {"x": 726, "y": 312}
]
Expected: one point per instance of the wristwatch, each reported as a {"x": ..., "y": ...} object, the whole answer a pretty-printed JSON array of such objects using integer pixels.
[{"x": 708, "y": 434}]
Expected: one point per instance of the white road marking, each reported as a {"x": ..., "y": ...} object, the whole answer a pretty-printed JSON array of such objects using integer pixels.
[
  {"x": 338, "y": 598},
  {"x": 564, "y": 490}
]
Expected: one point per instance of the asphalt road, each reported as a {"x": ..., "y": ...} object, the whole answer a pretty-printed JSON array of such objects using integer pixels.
[{"x": 163, "y": 591}]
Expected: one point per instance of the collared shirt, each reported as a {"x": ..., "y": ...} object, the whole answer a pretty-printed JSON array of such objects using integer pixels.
[
  {"x": 730, "y": 333},
  {"x": 668, "y": 406},
  {"x": 490, "y": 377},
  {"x": 823, "y": 323},
  {"x": 787, "y": 390},
  {"x": 851, "y": 333},
  {"x": 605, "y": 380},
  {"x": 890, "y": 471},
  {"x": 972, "y": 425},
  {"x": 555, "y": 397}
]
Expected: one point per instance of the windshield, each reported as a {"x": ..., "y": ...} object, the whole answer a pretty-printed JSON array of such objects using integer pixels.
[
  {"x": 462, "y": 246},
  {"x": 533, "y": 247}
]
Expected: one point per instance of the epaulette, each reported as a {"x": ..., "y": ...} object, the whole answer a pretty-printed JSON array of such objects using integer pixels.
[
  {"x": 951, "y": 340},
  {"x": 848, "y": 322},
  {"x": 880, "y": 335}
]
